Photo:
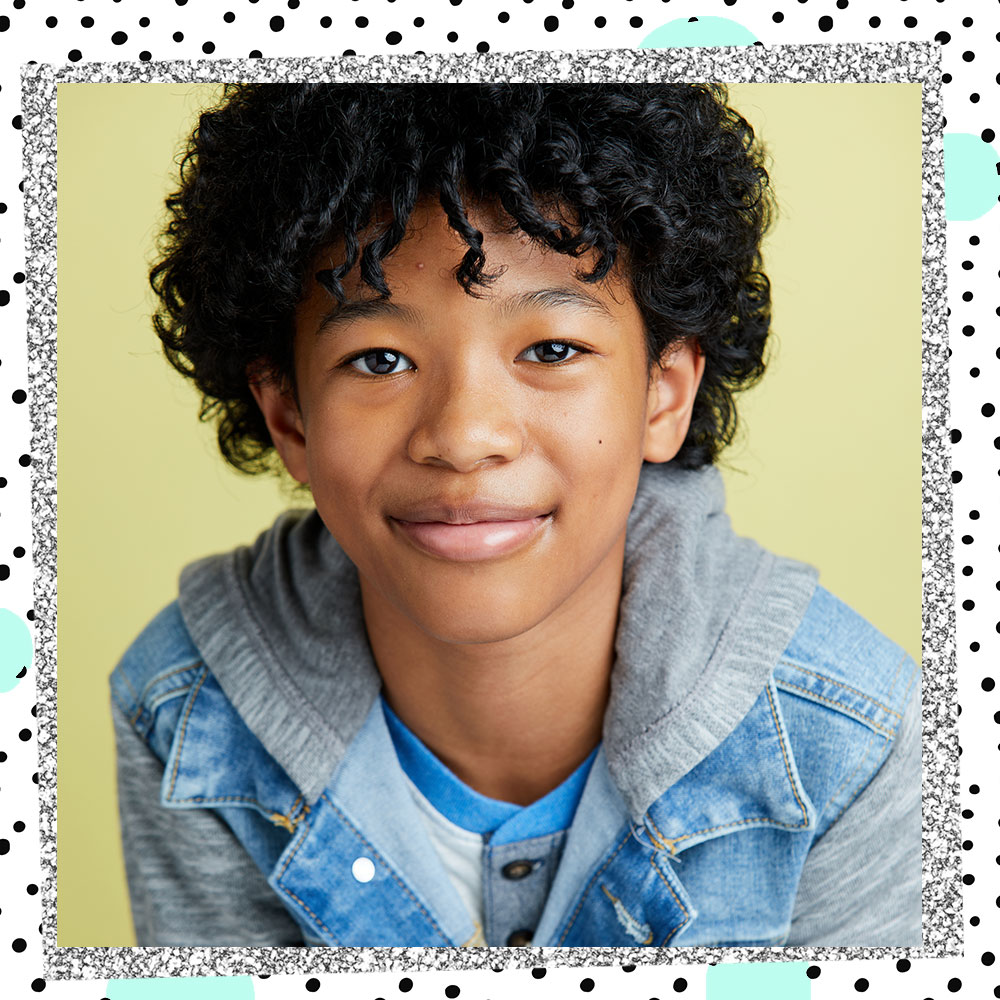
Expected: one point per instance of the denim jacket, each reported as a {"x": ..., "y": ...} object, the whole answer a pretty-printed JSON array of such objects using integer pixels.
[{"x": 758, "y": 782}]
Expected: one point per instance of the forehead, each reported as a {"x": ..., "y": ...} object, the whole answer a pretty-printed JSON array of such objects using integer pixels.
[{"x": 424, "y": 263}]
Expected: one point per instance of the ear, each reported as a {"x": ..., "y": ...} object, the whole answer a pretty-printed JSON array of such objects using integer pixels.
[
  {"x": 673, "y": 385},
  {"x": 284, "y": 421}
]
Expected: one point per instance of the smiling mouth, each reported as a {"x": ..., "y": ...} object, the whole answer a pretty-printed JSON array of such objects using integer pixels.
[{"x": 470, "y": 534}]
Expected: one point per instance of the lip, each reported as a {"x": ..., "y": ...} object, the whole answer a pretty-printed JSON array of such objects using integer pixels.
[{"x": 469, "y": 532}]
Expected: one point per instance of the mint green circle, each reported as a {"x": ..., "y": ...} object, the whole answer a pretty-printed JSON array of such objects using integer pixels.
[
  {"x": 971, "y": 182},
  {"x": 15, "y": 649},
  {"x": 683, "y": 33}
]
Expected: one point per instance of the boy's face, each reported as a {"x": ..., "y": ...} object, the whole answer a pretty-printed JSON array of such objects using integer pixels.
[{"x": 477, "y": 458}]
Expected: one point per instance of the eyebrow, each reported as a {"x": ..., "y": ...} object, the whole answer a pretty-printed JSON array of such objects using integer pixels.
[{"x": 540, "y": 298}]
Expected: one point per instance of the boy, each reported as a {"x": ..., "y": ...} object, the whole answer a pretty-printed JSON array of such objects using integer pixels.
[{"x": 514, "y": 681}]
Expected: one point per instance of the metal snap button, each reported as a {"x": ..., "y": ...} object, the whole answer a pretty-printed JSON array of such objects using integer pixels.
[
  {"x": 520, "y": 938},
  {"x": 517, "y": 869}
]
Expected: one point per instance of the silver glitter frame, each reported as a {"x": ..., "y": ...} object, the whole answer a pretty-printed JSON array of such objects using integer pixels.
[{"x": 854, "y": 63}]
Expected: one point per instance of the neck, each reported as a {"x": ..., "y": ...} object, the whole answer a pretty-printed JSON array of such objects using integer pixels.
[{"x": 511, "y": 718}]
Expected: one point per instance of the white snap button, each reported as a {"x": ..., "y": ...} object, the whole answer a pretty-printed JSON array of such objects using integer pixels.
[{"x": 363, "y": 869}]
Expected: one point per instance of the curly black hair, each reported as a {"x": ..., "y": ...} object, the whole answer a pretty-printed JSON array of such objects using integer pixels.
[{"x": 666, "y": 180}]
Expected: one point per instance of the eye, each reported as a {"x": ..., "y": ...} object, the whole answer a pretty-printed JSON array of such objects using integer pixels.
[
  {"x": 551, "y": 351},
  {"x": 381, "y": 361}
]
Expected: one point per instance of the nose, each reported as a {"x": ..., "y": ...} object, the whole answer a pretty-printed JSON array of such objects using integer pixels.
[{"x": 467, "y": 421}]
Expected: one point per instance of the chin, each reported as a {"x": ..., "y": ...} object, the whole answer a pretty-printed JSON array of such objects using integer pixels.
[{"x": 478, "y": 626}]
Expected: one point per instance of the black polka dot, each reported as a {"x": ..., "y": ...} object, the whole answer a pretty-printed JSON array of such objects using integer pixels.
[
  {"x": 16, "y": 121},
  {"x": 599, "y": 22},
  {"x": 19, "y": 277},
  {"x": 842, "y": 4},
  {"x": 956, "y": 436},
  {"x": 874, "y": 22},
  {"x": 680, "y": 984},
  {"x": 325, "y": 22},
  {"x": 974, "y": 97},
  {"x": 312, "y": 985},
  {"x": 910, "y": 22},
  {"x": 361, "y": 22},
  {"x": 405, "y": 985},
  {"x": 635, "y": 22},
  {"x": 208, "y": 48},
  {"x": 903, "y": 965},
  {"x": 87, "y": 22},
  {"x": 974, "y": 372},
  {"x": 813, "y": 972},
  {"x": 988, "y": 958},
  {"x": 393, "y": 38},
  {"x": 143, "y": 22},
  {"x": 956, "y": 477},
  {"x": 452, "y": 36},
  {"x": 119, "y": 38},
  {"x": 861, "y": 985},
  {"x": 4, "y": 846},
  {"x": 968, "y": 57},
  {"x": 178, "y": 36},
  {"x": 25, "y": 460},
  {"x": 954, "y": 985},
  {"x": 503, "y": 17},
  {"x": 31, "y": 889},
  {"x": 145, "y": 55},
  {"x": 777, "y": 17},
  {"x": 988, "y": 409},
  {"x": 18, "y": 826},
  {"x": 24, "y": 735},
  {"x": 4, "y": 22},
  {"x": 825, "y": 23},
  {"x": 19, "y": 944},
  {"x": 277, "y": 22},
  {"x": 973, "y": 789},
  {"x": 966, "y": 22},
  {"x": 537, "y": 973},
  {"x": 38, "y": 985},
  {"x": 229, "y": 17},
  {"x": 51, "y": 22},
  {"x": 988, "y": 684},
  {"x": 451, "y": 992},
  {"x": 551, "y": 23},
  {"x": 987, "y": 135},
  {"x": 586, "y": 985}
]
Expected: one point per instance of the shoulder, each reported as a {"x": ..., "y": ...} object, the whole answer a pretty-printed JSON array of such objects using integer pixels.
[
  {"x": 156, "y": 672},
  {"x": 843, "y": 689},
  {"x": 839, "y": 659}
]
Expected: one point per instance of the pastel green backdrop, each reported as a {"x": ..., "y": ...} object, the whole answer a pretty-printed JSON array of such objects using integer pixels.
[{"x": 827, "y": 468}]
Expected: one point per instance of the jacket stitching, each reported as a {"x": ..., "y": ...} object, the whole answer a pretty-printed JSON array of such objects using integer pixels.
[
  {"x": 857, "y": 791},
  {"x": 305, "y": 906},
  {"x": 183, "y": 732},
  {"x": 590, "y": 885},
  {"x": 788, "y": 767},
  {"x": 128, "y": 684},
  {"x": 162, "y": 677},
  {"x": 387, "y": 867},
  {"x": 291, "y": 894},
  {"x": 161, "y": 698},
  {"x": 687, "y": 916},
  {"x": 839, "y": 704},
  {"x": 846, "y": 687},
  {"x": 725, "y": 826},
  {"x": 843, "y": 784}
]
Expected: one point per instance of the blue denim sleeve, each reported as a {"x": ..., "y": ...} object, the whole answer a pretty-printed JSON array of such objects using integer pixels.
[{"x": 861, "y": 883}]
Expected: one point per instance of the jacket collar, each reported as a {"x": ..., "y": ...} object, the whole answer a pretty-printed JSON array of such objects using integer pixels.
[{"x": 704, "y": 617}]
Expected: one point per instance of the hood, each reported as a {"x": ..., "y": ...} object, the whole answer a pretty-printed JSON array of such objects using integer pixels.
[{"x": 704, "y": 617}]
